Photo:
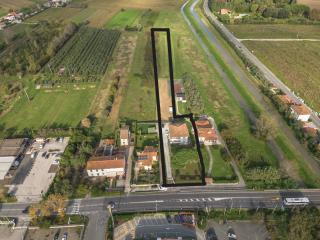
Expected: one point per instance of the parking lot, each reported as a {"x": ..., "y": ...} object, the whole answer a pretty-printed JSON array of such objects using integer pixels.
[
  {"x": 49, "y": 234},
  {"x": 242, "y": 230},
  {"x": 30, "y": 184}
]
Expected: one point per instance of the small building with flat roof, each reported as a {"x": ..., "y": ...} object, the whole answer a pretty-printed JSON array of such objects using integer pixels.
[{"x": 10, "y": 151}]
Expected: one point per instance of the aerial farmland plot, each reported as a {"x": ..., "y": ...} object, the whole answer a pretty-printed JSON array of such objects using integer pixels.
[
  {"x": 61, "y": 93},
  {"x": 123, "y": 18},
  {"x": 296, "y": 63}
]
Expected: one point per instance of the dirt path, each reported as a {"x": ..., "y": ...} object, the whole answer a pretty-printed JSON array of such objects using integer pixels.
[
  {"x": 165, "y": 99},
  {"x": 123, "y": 61},
  {"x": 211, "y": 161},
  {"x": 119, "y": 68}
]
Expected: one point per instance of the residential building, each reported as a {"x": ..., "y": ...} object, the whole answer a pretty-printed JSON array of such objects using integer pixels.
[
  {"x": 207, "y": 135},
  {"x": 124, "y": 136},
  {"x": 11, "y": 153},
  {"x": 179, "y": 133},
  {"x": 106, "y": 166},
  {"x": 285, "y": 99},
  {"x": 310, "y": 129},
  {"x": 147, "y": 157},
  {"x": 106, "y": 147},
  {"x": 224, "y": 11},
  {"x": 179, "y": 92},
  {"x": 300, "y": 113}
]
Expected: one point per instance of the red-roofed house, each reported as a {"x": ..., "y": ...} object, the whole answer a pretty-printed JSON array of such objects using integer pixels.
[
  {"x": 106, "y": 166},
  {"x": 147, "y": 157},
  {"x": 124, "y": 136},
  {"x": 300, "y": 113},
  {"x": 178, "y": 133},
  {"x": 224, "y": 11},
  {"x": 285, "y": 99},
  {"x": 310, "y": 128},
  {"x": 179, "y": 92},
  {"x": 206, "y": 133}
]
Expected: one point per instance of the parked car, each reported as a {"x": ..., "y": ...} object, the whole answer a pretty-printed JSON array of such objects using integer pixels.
[
  {"x": 56, "y": 236},
  {"x": 65, "y": 236}
]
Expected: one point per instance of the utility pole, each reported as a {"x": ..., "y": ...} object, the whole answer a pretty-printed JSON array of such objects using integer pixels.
[{"x": 110, "y": 211}]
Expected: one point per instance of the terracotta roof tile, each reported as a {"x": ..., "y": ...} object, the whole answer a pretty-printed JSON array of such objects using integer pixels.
[
  {"x": 300, "y": 109},
  {"x": 178, "y": 130}
]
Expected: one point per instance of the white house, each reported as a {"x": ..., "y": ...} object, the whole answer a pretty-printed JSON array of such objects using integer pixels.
[
  {"x": 300, "y": 113},
  {"x": 106, "y": 166},
  {"x": 179, "y": 133},
  {"x": 124, "y": 136}
]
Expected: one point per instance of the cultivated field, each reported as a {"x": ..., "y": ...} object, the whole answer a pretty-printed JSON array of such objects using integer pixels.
[
  {"x": 297, "y": 65},
  {"x": 311, "y": 3},
  {"x": 275, "y": 31},
  {"x": 124, "y": 18},
  {"x": 87, "y": 53},
  {"x": 17, "y": 4},
  {"x": 63, "y": 108}
]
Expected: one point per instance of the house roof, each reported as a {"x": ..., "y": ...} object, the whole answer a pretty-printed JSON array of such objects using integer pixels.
[
  {"x": 178, "y": 130},
  {"x": 208, "y": 133},
  {"x": 178, "y": 88},
  {"x": 285, "y": 99},
  {"x": 310, "y": 128},
  {"x": 203, "y": 123},
  {"x": 124, "y": 132},
  {"x": 146, "y": 156},
  {"x": 106, "y": 142},
  {"x": 300, "y": 110},
  {"x": 106, "y": 162},
  {"x": 11, "y": 147}
]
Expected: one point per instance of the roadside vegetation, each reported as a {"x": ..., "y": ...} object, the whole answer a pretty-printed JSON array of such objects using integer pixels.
[
  {"x": 294, "y": 223},
  {"x": 264, "y": 11}
]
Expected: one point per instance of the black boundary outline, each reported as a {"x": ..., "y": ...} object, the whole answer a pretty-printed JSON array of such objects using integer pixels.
[{"x": 175, "y": 116}]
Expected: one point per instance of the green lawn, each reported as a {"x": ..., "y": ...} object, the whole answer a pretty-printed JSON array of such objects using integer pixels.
[
  {"x": 124, "y": 18},
  {"x": 182, "y": 107},
  {"x": 221, "y": 169},
  {"x": 46, "y": 108},
  {"x": 275, "y": 31},
  {"x": 185, "y": 164}
]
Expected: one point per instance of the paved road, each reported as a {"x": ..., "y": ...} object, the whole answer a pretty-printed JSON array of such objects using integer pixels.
[
  {"x": 268, "y": 74},
  {"x": 96, "y": 228},
  {"x": 166, "y": 148},
  {"x": 279, "y": 39},
  {"x": 254, "y": 90},
  {"x": 129, "y": 156},
  {"x": 194, "y": 198}
]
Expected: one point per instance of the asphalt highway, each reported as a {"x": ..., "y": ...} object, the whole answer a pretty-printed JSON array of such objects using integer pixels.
[{"x": 176, "y": 200}]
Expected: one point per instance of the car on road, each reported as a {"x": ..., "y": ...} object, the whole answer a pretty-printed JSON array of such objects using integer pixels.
[
  {"x": 26, "y": 210},
  {"x": 56, "y": 236},
  {"x": 65, "y": 236},
  {"x": 111, "y": 204}
]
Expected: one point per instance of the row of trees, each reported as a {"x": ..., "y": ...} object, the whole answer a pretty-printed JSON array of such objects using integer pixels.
[
  {"x": 265, "y": 8},
  {"x": 33, "y": 50},
  {"x": 193, "y": 96}
]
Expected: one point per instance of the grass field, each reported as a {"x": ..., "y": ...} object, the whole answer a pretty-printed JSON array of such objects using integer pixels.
[
  {"x": 185, "y": 164},
  {"x": 311, "y": 3},
  {"x": 47, "y": 108},
  {"x": 221, "y": 169},
  {"x": 275, "y": 31},
  {"x": 126, "y": 17},
  {"x": 295, "y": 63},
  {"x": 62, "y": 14},
  {"x": 16, "y": 4}
]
